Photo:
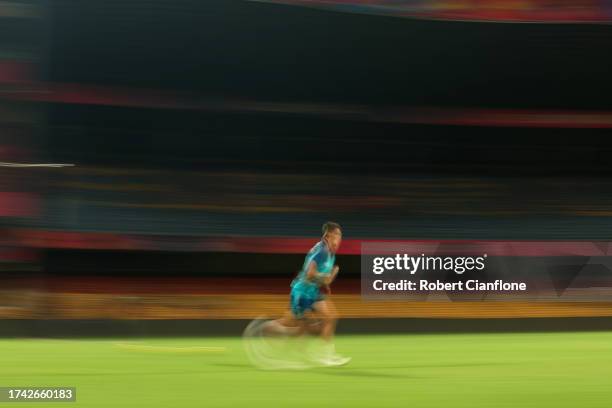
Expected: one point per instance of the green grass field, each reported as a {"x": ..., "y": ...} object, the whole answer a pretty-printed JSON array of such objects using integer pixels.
[{"x": 467, "y": 370}]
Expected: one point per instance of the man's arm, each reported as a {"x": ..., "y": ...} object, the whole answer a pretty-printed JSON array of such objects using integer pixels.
[
  {"x": 326, "y": 289},
  {"x": 322, "y": 279}
]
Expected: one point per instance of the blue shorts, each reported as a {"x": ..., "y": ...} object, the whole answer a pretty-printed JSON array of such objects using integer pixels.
[{"x": 302, "y": 302}]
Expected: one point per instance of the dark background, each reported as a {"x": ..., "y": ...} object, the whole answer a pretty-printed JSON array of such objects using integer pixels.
[{"x": 156, "y": 167}]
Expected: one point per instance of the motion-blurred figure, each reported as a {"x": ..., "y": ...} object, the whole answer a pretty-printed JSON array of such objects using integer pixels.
[{"x": 310, "y": 292}]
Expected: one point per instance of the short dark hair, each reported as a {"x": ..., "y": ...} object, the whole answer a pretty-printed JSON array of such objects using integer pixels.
[{"x": 330, "y": 226}]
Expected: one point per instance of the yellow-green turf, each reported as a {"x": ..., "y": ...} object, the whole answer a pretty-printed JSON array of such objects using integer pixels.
[{"x": 445, "y": 370}]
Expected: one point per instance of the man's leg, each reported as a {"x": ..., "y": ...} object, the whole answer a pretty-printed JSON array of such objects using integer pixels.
[
  {"x": 329, "y": 316},
  {"x": 287, "y": 325},
  {"x": 293, "y": 322},
  {"x": 270, "y": 344}
]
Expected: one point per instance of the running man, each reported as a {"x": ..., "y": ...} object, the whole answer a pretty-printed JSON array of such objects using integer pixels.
[{"x": 310, "y": 292}]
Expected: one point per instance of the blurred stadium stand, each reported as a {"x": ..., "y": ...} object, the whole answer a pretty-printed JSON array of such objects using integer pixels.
[{"x": 203, "y": 126}]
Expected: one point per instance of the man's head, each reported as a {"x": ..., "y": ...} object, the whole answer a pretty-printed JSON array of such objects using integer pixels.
[{"x": 332, "y": 234}]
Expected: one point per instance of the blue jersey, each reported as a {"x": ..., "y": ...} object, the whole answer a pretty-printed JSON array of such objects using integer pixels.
[{"x": 324, "y": 259}]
